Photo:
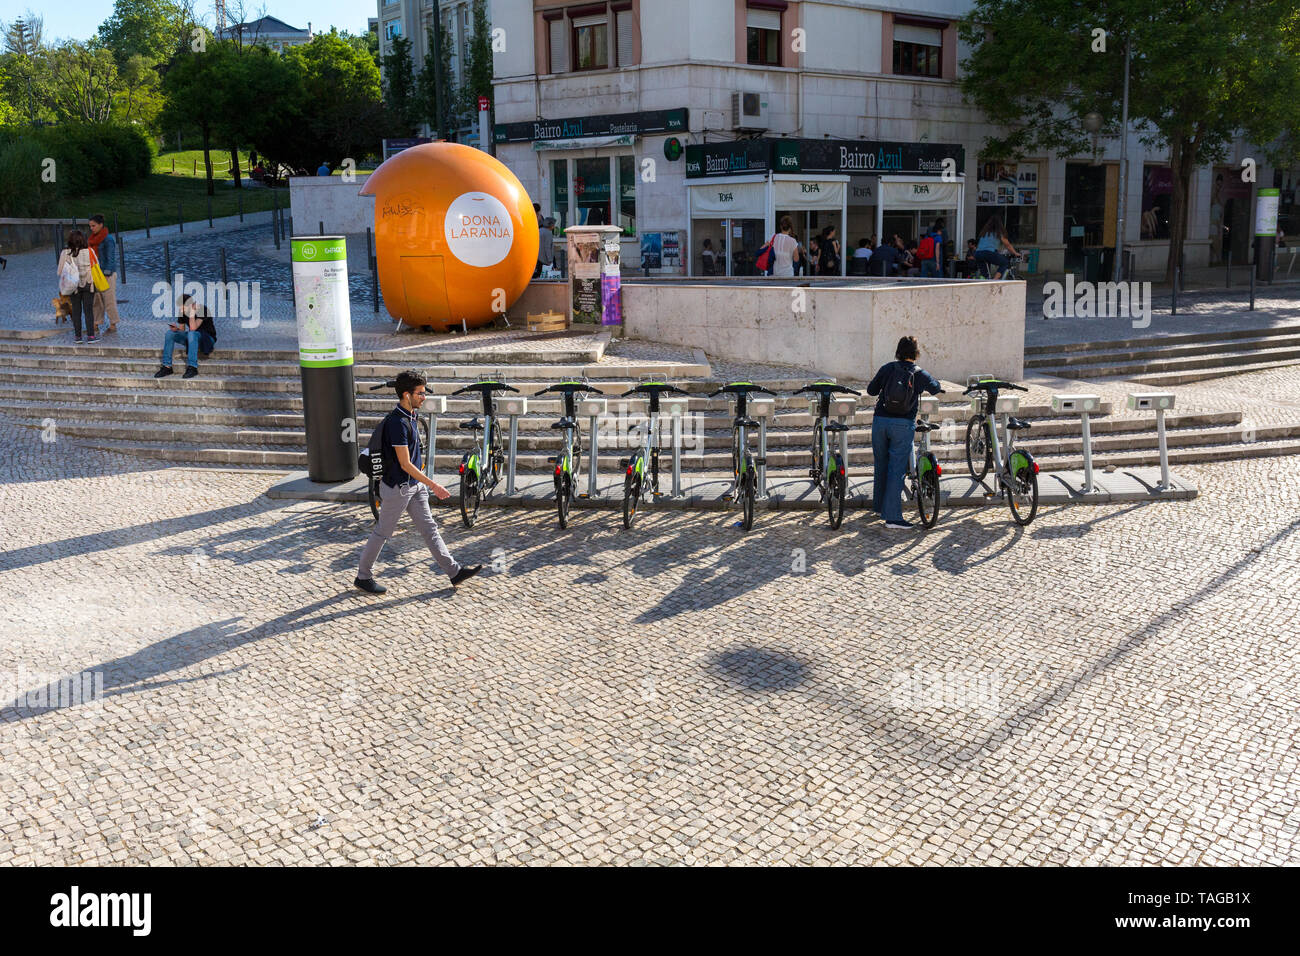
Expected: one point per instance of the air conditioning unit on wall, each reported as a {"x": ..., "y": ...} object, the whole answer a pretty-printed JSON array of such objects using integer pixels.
[{"x": 749, "y": 111}]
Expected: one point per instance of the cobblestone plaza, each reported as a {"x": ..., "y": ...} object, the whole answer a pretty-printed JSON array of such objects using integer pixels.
[{"x": 1113, "y": 685}]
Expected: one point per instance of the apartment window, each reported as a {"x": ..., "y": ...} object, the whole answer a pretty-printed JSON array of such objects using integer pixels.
[
  {"x": 763, "y": 37},
  {"x": 556, "y": 27},
  {"x": 624, "y": 34},
  {"x": 591, "y": 43},
  {"x": 918, "y": 50}
]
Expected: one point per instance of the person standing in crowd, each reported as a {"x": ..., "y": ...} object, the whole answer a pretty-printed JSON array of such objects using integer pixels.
[
  {"x": 708, "y": 259},
  {"x": 104, "y": 244},
  {"x": 893, "y": 427},
  {"x": 970, "y": 263},
  {"x": 884, "y": 259},
  {"x": 75, "y": 283},
  {"x": 405, "y": 488},
  {"x": 545, "y": 241},
  {"x": 931, "y": 251},
  {"x": 814, "y": 255},
  {"x": 193, "y": 329},
  {"x": 323, "y": 169},
  {"x": 991, "y": 243},
  {"x": 785, "y": 250},
  {"x": 830, "y": 252}
]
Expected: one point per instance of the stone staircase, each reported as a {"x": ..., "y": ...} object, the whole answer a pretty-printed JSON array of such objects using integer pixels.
[
  {"x": 244, "y": 410},
  {"x": 1170, "y": 360}
]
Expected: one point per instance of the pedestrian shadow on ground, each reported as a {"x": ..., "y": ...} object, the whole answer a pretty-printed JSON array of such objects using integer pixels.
[{"x": 758, "y": 669}]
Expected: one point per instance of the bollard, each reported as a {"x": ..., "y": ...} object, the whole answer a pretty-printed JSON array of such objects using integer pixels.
[
  {"x": 1173, "y": 308},
  {"x": 180, "y": 216},
  {"x": 1084, "y": 405},
  {"x": 1252, "y": 291},
  {"x": 146, "y": 220},
  {"x": 282, "y": 218},
  {"x": 513, "y": 407},
  {"x": 115, "y": 229},
  {"x": 209, "y": 212},
  {"x": 121, "y": 261},
  {"x": 593, "y": 409},
  {"x": 58, "y": 241},
  {"x": 1160, "y": 402},
  {"x": 370, "y": 250},
  {"x": 322, "y": 227},
  {"x": 1227, "y": 281},
  {"x": 167, "y": 265},
  {"x": 225, "y": 292},
  {"x": 374, "y": 288},
  {"x": 239, "y": 200}
]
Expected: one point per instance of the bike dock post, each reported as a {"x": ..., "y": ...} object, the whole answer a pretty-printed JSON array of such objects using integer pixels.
[
  {"x": 512, "y": 406},
  {"x": 843, "y": 408},
  {"x": 1160, "y": 402},
  {"x": 761, "y": 409},
  {"x": 927, "y": 408},
  {"x": 594, "y": 409},
  {"x": 434, "y": 405},
  {"x": 1084, "y": 405},
  {"x": 675, "y": 407}
]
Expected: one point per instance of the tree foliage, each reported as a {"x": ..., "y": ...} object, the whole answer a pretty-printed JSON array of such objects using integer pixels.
[{"x": 1202, "y": 74}]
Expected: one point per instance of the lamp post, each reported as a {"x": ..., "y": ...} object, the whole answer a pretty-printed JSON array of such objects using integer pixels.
[{"x": 1123, "y": 170}]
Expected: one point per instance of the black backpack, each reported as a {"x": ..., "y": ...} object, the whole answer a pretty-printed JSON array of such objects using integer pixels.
[
  {"x": 899, "y": 393},
  {"x": 370, "y": 460}
]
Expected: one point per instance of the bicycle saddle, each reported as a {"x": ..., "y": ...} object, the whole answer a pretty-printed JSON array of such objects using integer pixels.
[
  {"x": 565, "y": 423},
  {"x": 747, "y": 422},
  {"x": 472, "y": 423},
  {"x": 926, "y": 426},
  {"x": 836, "y": 427},
  {"x": 1015, "y": 424}
]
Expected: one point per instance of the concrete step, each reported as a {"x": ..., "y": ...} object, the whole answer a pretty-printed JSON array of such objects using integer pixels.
[
  {"x": 1109, "y": 356},
  {"x": 1153, "y": 341},
  {"x": 1232, "y": 361},
  {"x": 1170, "y": 379}
]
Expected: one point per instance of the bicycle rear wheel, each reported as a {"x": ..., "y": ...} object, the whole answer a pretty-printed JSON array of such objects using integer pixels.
[
  {"x": 1022, "y": 496},
  {"x": 373, "y": 497},
  {"x": 978, "y": 448},
  {"x": 747, "y": 491},
  {"x": 562, "y": 485},
  {"x": 469, "y": 499},
  {"x": 927, "y": 498}
]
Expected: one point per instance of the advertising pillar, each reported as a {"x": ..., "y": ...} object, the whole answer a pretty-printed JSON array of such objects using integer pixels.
[
  {"x": 1266, "y": 232},
  {"x": 320, "y": 285},
  {"x": 595, "y": 293}
]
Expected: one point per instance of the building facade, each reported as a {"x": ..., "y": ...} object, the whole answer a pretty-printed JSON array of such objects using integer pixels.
[
  {"x": 268, "y": 31},
  {"x": 687, "y": 120},
  {"x": 412, "y": 19}
]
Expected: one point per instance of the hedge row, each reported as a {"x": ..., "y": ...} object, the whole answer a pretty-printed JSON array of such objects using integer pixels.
[{"x": 86, "y": 159}]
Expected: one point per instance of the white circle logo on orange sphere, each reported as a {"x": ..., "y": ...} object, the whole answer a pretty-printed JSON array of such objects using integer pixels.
[{"x": 479, "y": 230}]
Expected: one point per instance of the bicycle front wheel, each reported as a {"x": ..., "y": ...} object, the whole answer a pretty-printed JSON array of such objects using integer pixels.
[
  {"x": 469, "y": 500},
  {"x": 1022, "y": 496},
  {"x": 835, "y": 498},
  {"x": 979, "y": 454},
  {"x": 562, "y": 499},
  {"x": 747, "y": 491},
  {"x": 631, "y": 498}
]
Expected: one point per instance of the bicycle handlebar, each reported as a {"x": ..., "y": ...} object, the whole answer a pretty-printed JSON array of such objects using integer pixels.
[
  {"x": 827, "y": 387},
  {"x": 570, "y": 387},
  {"x": 375, "y": 388},
  {"x": 651, "y": 388},
  {"x": 741, "y": 388},
  {"x": 992, "y": 386},
  {"x": 486, "y": 387}
]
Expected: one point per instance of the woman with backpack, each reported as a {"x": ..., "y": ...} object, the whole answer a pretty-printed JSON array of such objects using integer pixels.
[
  {"x": 75, "y": 283},
  {"x": 893, "y": 427},
  {"x": 930, "y": 251}
]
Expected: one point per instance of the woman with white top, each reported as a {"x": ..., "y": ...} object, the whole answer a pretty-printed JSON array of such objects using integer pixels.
[
  {"x": 82, "y": 293},
  {"x": 785, "y": 249}
]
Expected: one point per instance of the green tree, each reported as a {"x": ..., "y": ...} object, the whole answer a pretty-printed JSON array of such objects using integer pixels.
[
  {"x": 426, "y": 88},
  {"x": 144, "y": 28},
  {"x": 196, "y": 93},
  {"x": 84, "y": 79},
  {"x": 478, "y": 67},
  {"x": 1202, "y": 74},
  {"x": 342, "y": 108},
  {"x": 399, "y": 88},
  {"x": 368, "y": 41}
]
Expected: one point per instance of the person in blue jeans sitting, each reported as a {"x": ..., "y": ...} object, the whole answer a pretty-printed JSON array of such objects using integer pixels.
[
  {"x": 899, "y": 385},
  {"x": 194, "y": 330}
]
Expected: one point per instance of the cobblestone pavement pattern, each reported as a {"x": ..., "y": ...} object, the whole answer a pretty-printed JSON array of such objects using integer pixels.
[{"x": 1113, "y": 685}]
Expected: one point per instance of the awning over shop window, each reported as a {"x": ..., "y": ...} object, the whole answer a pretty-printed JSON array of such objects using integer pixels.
[
  {"x": 729, "y": 200},
  {"x": 920, "y": 194},
  {"x": 863, "y": 190},
  {"x": 589, "y": 142},
  {"x": 808, "y": 194}
]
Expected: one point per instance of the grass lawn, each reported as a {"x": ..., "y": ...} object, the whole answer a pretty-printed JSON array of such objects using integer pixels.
[{"x": 166, "y": 197}]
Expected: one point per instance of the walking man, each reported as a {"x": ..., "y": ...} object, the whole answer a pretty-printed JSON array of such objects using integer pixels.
[
  {"x": 105, "y": 245},
  {"x": 405, "y": 487}
]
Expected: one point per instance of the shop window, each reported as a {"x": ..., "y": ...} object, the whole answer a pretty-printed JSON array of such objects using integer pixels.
[
  {"x": 918, "y": 50},
  {"x": 1157, "y": 201},
  {"x": 591, "y": 191},
  {"x": 763, "y": 37},
  {"x": 560, "y": 191},
  {"x": 627, "y": 194},
  {"x": 591, "y": 43},
  {"x": 1010, "y": 191}
]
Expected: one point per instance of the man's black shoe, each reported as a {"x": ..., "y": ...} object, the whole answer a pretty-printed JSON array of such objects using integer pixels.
[
  {"x": 163, "y": 371},
  {"x": 465, "y": 573},
  {"x": 370, "y": 584},
  {"x": 190, "y": 372}
]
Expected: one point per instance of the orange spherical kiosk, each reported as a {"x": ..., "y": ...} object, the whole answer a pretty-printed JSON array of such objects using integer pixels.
[{"x": 455, "y": 235}]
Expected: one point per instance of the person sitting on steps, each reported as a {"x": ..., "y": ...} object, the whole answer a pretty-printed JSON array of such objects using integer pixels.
[{"x": 195, "y": 331}]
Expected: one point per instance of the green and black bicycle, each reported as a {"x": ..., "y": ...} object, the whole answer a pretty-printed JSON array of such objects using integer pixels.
[
  {"x": 480, "y": 469},
  {"x": 744, "y": 464},
  {"x": 568, "y": 463},
  {"x": 1016, "y": 477},
  {"x": 828, "y": 465},
  {"x": 643, "y": 466}
]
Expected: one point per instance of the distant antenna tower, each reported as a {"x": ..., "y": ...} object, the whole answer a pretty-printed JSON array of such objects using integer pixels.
[{"x": 221, "y": 16}]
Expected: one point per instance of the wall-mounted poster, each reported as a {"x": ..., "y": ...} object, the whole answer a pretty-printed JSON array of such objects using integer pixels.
[
  {"x": 1006, "y": 195},
  {"x": 651, "y": 250},
  {"x": 672, "y": 251},
  {"x": 611, "y": 285},
  {"x": 1027, "y": 197}
]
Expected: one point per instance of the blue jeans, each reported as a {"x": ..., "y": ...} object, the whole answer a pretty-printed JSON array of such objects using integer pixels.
[
  {"x": 891, "y": 446},
  {"x": 930, "y": 267},
  {"x": 193, "y": 342},
  {"x": 995, "y": 259}
]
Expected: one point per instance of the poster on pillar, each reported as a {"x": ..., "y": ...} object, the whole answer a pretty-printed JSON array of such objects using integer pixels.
[
  {"x": 584, "y": 267},
  {"x": 610, "y": 284}
]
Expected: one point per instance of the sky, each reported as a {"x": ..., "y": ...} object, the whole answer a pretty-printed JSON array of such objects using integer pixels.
[{"x": 79, "y": 21}]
